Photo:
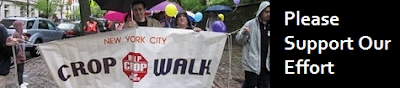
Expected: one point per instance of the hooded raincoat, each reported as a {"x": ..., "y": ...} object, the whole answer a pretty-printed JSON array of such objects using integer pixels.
[{"x": 251, "y": 42}]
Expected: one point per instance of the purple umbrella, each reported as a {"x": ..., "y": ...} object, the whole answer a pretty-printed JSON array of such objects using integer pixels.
[
  {"x": 161, "y": 6},
  {"x": 115, "y": 16},
  {"x": 123, "y": 5}
]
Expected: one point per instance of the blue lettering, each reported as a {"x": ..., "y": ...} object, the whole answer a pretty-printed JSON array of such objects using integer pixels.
[
  {"x": 179, "y": 64},
  {"x": 162, "y": 64},
  {"x": 182, "y": 63},
  {"x": 204, "y": 66},
  {"x": 191, "y": 67}
]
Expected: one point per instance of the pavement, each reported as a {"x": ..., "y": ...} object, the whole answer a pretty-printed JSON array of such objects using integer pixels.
[{"x": 36, "y": 74}]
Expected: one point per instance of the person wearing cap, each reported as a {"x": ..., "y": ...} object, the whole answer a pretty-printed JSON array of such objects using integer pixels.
[
  {"x": 182, "y": 22},
  {"x": 254, "y": 36},
  {"x": 139, "y": 16}
]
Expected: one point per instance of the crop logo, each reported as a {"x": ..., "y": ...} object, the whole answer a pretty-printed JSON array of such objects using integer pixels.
[{"x": 134, "y": 66}]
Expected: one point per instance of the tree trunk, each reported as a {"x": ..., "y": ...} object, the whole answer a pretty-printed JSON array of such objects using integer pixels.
[
  {"x": 47, "y": 11},
  {"x": 27, "y": 8},
  {"x": 61, "y": 12},
  {"x": 85, "y": 12}
]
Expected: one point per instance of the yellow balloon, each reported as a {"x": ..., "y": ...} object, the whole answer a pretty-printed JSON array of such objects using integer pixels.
[
  {"x": 171, "y": 10},
  {"x": 221, "y": 16}
]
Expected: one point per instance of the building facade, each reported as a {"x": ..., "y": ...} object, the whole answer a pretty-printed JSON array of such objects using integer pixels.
[{"x": 17, "y": 8}]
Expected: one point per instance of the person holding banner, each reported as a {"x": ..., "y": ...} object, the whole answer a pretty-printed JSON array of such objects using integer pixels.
[
  {"x": 20, "y": 50},
  {"x": 140, "y": 19},
  {"x": 5, "y": 53},
  {"x": 183, "y": 22},
  {"x": 254, "y": 37}
]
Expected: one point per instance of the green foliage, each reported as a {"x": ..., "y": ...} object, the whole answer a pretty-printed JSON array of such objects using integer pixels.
[
  {"x": 96, "y": 10},
  {"x": 197, "y": 5},
  {"x": 76, "y": 14},
  {"x": 220, "y": 2},
  {"x": 194, "y": 5},
  {"x": 42, "y": 6},
  {"x": 230, "y": 2}
]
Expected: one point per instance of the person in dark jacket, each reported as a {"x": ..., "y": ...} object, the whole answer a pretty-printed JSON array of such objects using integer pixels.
[
  {"x": 6, "y": 42},
  {"x": 183, "y": 22}
]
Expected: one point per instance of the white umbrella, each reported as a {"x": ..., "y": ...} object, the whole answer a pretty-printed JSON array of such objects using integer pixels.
[{"x": 190, "y": 14}]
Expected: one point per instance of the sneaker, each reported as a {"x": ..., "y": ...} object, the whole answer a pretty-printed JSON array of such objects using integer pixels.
[{"x": 24, "y": 85}]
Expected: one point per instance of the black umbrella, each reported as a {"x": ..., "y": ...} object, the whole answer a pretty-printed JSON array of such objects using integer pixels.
[
  {"x": 219, "y": 8},
  {"x": 123, "y": 5}
]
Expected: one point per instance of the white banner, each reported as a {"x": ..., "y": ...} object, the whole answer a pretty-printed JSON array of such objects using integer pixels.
[{"x": 145, "y": 57}]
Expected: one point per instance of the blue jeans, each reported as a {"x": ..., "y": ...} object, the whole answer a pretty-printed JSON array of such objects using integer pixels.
[{"x": 253, "y": 80}]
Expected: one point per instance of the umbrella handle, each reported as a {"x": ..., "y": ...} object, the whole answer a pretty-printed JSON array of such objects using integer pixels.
[{"x": 132, "y": 15}]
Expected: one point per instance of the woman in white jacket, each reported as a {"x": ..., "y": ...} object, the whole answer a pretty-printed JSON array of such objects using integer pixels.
[{"x": 254, "y": 36}]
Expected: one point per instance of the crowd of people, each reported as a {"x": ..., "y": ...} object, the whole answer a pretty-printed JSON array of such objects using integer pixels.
[
  {"x": 254, "y": 36},
  {"x": 181, "y": 20}
]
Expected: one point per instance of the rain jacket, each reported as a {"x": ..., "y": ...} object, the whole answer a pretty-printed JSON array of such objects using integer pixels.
[{"x": 252, "y": 43}]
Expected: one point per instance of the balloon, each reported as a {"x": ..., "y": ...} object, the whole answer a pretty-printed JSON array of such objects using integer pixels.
[
  {"x": 221, "y": 16},
  {"x": 236, "y": 2},
  {"x": 219, "y": 26},
  {"x": 171, "y": 10},
  {"x": 198, "y": 16}
]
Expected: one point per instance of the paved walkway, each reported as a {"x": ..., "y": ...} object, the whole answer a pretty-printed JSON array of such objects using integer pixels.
[{"x": 35, "y": 73}]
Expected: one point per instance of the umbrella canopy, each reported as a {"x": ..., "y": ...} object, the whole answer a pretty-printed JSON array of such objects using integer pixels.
[
  {"x": 161, "y": 6},
  {"x": 123, "y": 5},
  {"x": 219, "y": 8},
  {"x": 115, "y": 16},
  {"x": 191, "y": 16}
]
